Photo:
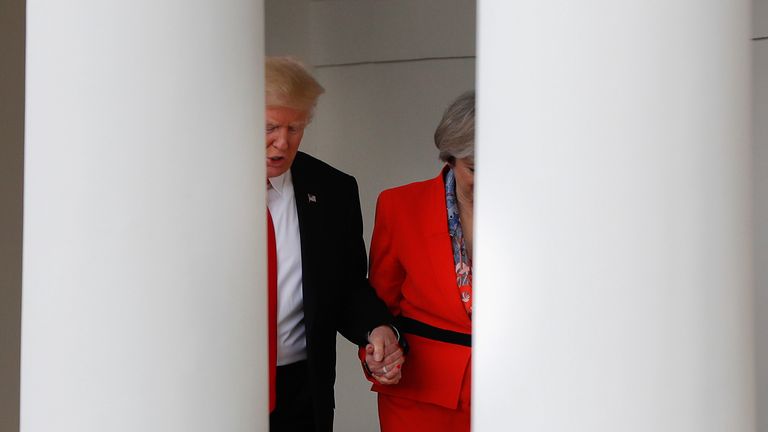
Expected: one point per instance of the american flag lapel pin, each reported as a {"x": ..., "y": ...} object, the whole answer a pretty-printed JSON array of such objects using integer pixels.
[{"x": 311, "y": 198}]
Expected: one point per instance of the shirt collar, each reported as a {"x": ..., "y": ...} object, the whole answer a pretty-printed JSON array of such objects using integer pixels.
[{"x": 280, "y": 182}]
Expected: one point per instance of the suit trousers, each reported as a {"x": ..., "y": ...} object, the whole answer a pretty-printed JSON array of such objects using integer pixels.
[{"x": 294, "y": 411}]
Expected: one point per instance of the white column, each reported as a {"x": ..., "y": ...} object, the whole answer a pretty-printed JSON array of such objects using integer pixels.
[
  {"x": 143, "y": 279},
  {"x": 760, "y": 193},
  {"x": 614, "y": 266}
]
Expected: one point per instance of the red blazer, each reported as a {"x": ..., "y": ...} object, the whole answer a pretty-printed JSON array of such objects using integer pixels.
[{"x": 412, "y": 270}]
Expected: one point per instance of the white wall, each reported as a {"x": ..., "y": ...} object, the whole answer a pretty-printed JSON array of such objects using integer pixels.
[
  {"x": 390, "y": 68},
  {"x": 354, "y": 31},
  {"x": 760, "y": 73},
  {"x": 286, "y": 24},
  {"x": 144, "y": 277},
  {"x": 614, "y": 242},
  {"x": 12, "y": 26},
  {"x": 760, "y": 18}
]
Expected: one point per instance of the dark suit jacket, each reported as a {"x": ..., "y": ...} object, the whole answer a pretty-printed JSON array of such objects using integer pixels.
[{"x": 337, "y": 296}]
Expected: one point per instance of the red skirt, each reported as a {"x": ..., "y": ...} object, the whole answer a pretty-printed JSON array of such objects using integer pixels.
[{"x": 397, "y": 414}]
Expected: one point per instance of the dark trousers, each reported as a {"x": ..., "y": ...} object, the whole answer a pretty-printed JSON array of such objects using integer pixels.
[{"x": 293, "y": 411}]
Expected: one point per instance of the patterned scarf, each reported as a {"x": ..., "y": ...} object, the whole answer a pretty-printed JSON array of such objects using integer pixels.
[{"x": 461, "y": 260}]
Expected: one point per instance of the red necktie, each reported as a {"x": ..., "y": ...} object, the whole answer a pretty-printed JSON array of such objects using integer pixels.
[{"x": 272, "y": 300}]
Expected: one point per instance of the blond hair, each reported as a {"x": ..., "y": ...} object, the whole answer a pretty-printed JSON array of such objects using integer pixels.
[{"x": 289, "y": 84}]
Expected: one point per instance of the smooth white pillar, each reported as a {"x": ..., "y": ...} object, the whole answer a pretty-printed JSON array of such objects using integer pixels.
[
  {"x": 143, "y": 278},
  {"x": 760, "y": 71},
  {"x": 760, "y": 193},
  {"x": 613, "y": 251}
]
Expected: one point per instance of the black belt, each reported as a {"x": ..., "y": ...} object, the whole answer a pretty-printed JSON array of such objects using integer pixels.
[{"x": 418, "y": 328}]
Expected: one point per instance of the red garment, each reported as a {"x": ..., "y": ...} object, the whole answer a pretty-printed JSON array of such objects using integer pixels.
[
  {"x": 397, "y": 414},
  {"x": 412, "y": 270},
  {"x": 272, "y": 314}
]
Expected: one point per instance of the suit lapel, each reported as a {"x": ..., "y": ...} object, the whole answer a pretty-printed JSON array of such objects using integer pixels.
[
  {"x": 306, "y": 203},
  {"x": 434, "y": 220}
]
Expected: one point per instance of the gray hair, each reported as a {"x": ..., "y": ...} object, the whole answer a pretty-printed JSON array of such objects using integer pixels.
[{"x": 455, "y": 135}]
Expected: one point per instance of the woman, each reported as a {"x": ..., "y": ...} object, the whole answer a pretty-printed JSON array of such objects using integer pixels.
[{"x": 421, "y": 266}]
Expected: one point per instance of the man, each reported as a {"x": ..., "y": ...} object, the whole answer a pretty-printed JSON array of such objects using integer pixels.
[{"x": 321, "y": 263}]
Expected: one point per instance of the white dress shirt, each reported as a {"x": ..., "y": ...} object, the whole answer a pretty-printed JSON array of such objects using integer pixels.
[{"x": 291, "y": 342}]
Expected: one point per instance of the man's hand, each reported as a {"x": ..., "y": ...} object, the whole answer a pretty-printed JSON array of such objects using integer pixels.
[{"x": 384, "y": 356}]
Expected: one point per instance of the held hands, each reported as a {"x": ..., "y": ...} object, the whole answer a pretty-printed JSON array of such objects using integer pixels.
[{"x": 383, "y": 355}]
